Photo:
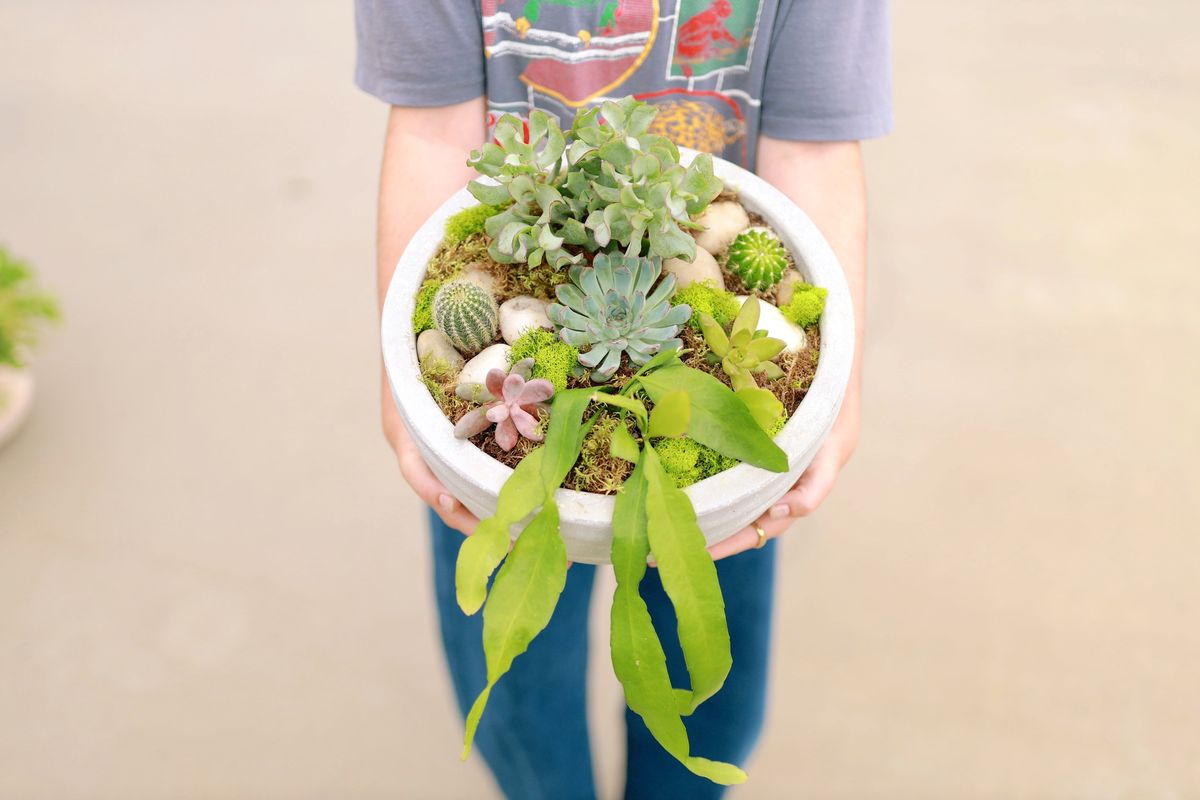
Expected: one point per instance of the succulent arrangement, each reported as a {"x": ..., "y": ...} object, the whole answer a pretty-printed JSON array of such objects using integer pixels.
[{"x": 581, "y": 325}]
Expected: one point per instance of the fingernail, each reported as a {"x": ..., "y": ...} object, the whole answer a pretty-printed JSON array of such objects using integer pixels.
[
  {"x": 446, "y": 502},
  {"x": 780, "y": 511}
]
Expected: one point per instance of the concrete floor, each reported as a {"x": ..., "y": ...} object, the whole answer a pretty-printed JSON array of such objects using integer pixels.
[{"x": 213, "y": 582}]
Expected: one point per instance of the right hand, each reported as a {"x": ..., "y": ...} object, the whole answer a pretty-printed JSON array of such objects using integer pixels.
[{"x": 418, "y": 474}]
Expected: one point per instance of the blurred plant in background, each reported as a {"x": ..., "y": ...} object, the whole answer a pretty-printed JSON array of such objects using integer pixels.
[{"x": 24, "y": 308}]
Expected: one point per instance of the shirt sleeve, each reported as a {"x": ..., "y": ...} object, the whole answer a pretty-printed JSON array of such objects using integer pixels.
[
  {"x": 828, "y": 72},
  {"x": 419, "y": 53}
]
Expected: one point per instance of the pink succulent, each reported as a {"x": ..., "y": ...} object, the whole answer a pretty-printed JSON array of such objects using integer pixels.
[{"x": 515, "y": 412}]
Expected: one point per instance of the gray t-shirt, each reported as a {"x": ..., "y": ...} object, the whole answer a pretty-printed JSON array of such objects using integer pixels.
[{"x": 720, "y": 71}]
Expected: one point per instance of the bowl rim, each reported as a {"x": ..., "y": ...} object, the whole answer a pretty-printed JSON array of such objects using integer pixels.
[{"x": 800, "y": 437}]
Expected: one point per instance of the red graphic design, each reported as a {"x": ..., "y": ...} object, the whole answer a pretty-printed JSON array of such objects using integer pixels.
[
  {"x": 702, "y": 36},
  {"x": 596, "y": 66}
]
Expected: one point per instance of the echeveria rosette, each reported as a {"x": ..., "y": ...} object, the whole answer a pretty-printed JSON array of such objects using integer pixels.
[
  {"x": 516, "y": 412},
  {"x": 610, "y": 309}
]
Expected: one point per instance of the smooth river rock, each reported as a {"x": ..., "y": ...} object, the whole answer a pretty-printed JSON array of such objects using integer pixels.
[
  {"x": 722, "y": 221},
  {"x": 432, "y": 345},
  {"x": 771, "y": 320},
  {"x": 479, "y": 276},
  {"x": 521, "y": 313},
  {"x": 703, "y": 268},
  {"x": 787, "y": 287},
  {"x": 470, "y": 380}
]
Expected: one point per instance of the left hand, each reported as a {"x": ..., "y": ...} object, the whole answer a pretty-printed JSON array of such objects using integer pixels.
[{"x": 808, "y": 493}]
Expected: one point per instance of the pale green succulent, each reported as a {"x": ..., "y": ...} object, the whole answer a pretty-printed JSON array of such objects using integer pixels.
[
  {"x": 617, "y": 184},
  {"x": 610, "y": 309},
  {"x": 746, "y": 351}
]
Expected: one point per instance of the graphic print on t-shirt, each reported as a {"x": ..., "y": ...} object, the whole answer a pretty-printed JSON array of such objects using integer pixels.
[
  {"x": 690, "y": 58},
  {"x": 711, "y": 35},
  {"x": 578, "y": 50},
  {"x": 705, "y": 121}
]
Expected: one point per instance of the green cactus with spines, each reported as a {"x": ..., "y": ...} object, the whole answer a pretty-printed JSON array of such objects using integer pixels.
[
  {"x": 758, "y": 258},
  {"x": 467, "y": 314}
]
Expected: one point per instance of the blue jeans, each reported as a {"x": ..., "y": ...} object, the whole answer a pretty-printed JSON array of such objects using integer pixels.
[{"x": 534, "y": 733}]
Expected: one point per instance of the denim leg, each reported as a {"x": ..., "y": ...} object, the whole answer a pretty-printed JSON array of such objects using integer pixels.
[
  {"x": 727, "y": 726},
  {"x": 533, "y": 735}
]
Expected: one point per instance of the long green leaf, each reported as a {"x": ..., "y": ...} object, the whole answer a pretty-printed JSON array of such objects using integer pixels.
[
  {"x": 523, "y": 598},
  {"x": 564, "y": 436},
  {"x": 689, "y": 577},
  {"x": 538, "y": 475},
  {"x": 483, "y": 550},
  {"x": 637, "y": 653},
  {"x": 621, "y": 401},
  {"x": 622, "y": 444},
  {"x": 671, "y": 415},
  {"x": 660, "y": 359},
  {"x": 719, "y": 418}
]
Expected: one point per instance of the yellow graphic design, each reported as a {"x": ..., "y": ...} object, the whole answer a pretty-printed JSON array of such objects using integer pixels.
[{"x": 696, "y": 125}]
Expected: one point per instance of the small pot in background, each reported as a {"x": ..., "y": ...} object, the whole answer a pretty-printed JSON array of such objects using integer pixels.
[{"x": 16, "y": 400}]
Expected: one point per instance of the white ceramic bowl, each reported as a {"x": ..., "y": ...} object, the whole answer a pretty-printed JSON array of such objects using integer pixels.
[{"x": 724, "y": 503}]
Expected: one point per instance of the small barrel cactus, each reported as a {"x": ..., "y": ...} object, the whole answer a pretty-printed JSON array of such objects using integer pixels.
[
  {"x": 467, "y": 314},
  {"x": 758, "y": 258}
]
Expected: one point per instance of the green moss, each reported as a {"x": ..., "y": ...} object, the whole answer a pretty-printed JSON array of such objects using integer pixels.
[
  {"x": 452, "y": 259},
  {"x": 553, "y": 359},
  {"x": 705, "y": 298},
  {"x": 468, "y": 222},
  {"x": 436, "y": 368},
  {"x": 423, "y": 313},
  {"x": 435, "y": 389},
  {"x": 687, "y": 461},
  {"x": 806, "y": 305},
  {"x": 439, "y": 379}
]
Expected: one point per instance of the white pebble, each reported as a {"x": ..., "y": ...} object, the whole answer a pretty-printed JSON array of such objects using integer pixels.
[
  {"x": 722, "y": 221},
  {"x": 471, "y": 380},
  {"x": 432, "y": 345},
  {"x": 521, "y": 313},
  {"x": 702, "y": 268}
]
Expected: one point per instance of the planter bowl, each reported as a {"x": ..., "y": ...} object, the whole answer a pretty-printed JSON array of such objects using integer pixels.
[{"x": 724, "y": 503}]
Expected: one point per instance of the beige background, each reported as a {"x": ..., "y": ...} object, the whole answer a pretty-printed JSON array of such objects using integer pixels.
[{"x": 213, "y": 583}]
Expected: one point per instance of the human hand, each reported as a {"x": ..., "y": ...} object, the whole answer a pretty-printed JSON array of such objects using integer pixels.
[
  {"x": 808, "y": 493},
  {"x": 418, "y": 474}
]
